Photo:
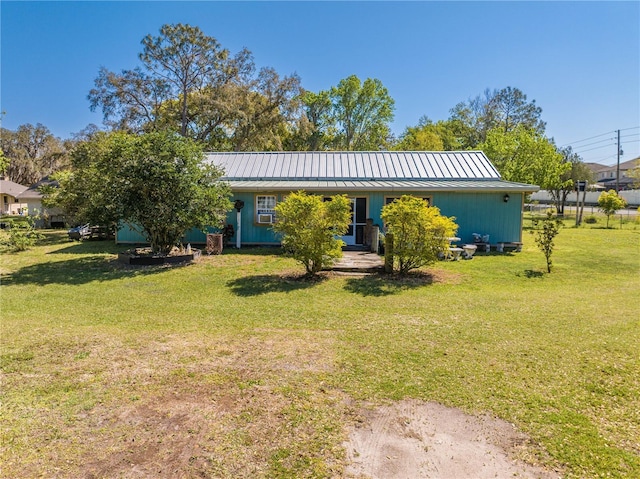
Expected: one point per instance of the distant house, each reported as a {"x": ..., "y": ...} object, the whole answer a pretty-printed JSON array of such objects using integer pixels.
[
  {"x": 464, "y": 184},
  {"x": 606, "y": 175},
  {"x": 31, "y": 199},
  {"x": 9, "y": 192},
  {"x": 22, "y": 200}
]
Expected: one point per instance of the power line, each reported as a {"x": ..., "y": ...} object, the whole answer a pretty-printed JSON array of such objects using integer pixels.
[
  {"x": 595, "y": 148},
  {"x": 598, "y": 136},
  {"x": 595, "y": 143},
  {"x": 587, "y": 139}
]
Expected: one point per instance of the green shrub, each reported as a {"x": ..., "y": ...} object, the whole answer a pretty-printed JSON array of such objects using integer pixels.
[
  {"x": 419, "y": 232},
  {"x": 22, "y": 233},
  {"x": 591, "y": 220},
  {"x": 310, "y": 226}
]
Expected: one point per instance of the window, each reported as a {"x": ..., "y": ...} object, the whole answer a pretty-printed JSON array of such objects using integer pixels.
[{"x": 265, "y": 209}]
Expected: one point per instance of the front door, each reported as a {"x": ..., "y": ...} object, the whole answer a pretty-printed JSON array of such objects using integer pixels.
[{"x": 355, "y": 233}]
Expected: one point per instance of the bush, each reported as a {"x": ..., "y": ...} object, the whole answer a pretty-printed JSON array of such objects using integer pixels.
[
  {"x": 419, "y": 232},
  {"x": 310, "y": 226},
  {"x": 22, "y": 233},
  {"x": 592, "y": 220}
]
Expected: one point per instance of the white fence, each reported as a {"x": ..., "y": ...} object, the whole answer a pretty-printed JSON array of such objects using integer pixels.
[{"x": 632, "y": 197}]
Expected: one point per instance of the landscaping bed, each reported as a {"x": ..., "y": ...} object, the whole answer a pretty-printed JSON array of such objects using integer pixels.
[{"x": 145, "y": 257}]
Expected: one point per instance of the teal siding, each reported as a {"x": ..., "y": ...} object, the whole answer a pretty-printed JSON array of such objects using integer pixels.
[
  {"x": 252, "y": 232},
  {"x": 482, "y": 213},
  {"x": 127, "y": 235}
]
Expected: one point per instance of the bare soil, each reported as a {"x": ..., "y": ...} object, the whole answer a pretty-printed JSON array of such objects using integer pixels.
[{"x": 413, "y": 439}]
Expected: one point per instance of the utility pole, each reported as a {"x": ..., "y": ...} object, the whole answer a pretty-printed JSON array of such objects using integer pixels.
[{"x": 618, "y": 167}]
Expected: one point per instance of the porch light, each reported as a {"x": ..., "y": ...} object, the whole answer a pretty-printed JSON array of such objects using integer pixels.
[{"x": 505, "y": 198}]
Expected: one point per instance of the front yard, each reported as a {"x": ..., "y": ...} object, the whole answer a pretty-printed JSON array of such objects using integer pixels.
[{"x": 235, "y": 367}]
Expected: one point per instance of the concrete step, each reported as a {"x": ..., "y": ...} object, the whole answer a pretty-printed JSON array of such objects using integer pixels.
[{"x": 359, "y": 262}]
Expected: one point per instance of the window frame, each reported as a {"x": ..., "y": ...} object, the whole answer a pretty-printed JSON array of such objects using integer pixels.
[{"x": 264, "y": 210}]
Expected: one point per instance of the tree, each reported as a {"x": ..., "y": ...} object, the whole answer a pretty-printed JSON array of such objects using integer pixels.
[
  {"x": 429, "y": 136},
  {"x": 33, "y": 153},
  {"x": 319, "y": 131},
  {"x": 156, "y": 182},
  {"x": 635, "y": 174},
  {"x": 504, "y": 109},
  {"x": 268, "y": 106},
  {"x": 4, "y": 162},
  {"x": 185, "y": 58},
  {"x": 524, "y": 155},
  {"x": 610, "y": 202},
  {"x": 353, "y": 115},
  {"x": 570, "y": 178},
  {"x": 189, "y": 84},
  {"x": 419, "y": 232},
  {"x": 310, "y": 226},
  {"x": 545, "y": 236},
  {"x": 362, "y": 111}
]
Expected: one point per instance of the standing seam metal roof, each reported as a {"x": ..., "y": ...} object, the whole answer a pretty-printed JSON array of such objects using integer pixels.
[
  {"x": 363, "y": 170},
  {"x": 365, "y": 165}
]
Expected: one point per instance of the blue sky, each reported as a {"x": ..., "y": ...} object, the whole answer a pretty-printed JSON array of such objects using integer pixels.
[{"x": 580, "y": 61}]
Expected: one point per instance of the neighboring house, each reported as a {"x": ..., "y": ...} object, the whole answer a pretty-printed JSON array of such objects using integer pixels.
[
  {"x": 464, "y": 184},
  {"x": 606, "y": 175},
  {"x": 31, "y": 200},
  {"x": 9, "y": 192}
]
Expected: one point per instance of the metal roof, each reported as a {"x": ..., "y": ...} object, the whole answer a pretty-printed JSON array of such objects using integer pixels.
[
  {"x": 362, "y": 170},
  {"x": 387, "y": 185},
  {"x": 362, "y": 165}
]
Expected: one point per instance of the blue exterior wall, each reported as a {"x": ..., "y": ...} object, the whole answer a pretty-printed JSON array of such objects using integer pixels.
[{"x": 482, "y": 213}]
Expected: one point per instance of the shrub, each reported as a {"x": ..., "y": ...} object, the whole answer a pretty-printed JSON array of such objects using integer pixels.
[
  {"x": 610, "y": 202},
  {"x": 310, "y": 226},
  {"x": 591, "y": 220},
  {"x": 545, "y": 236},
  {"x": 22, "y": 234},
  {"x": 419, "y": 232}
]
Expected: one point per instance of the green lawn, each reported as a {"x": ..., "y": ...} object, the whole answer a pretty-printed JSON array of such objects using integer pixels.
[{"x": 235, "y": 367}]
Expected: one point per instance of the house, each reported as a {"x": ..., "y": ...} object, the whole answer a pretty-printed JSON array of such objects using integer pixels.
[
  {"x": 606, "y": 176},
  {"x": 464, "y": 184},
  {"x": 31, "y": 200},
  {"x": 9, "y": 192}
]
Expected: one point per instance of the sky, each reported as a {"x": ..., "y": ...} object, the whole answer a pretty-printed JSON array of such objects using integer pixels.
[{"x": 579, "y": 61}]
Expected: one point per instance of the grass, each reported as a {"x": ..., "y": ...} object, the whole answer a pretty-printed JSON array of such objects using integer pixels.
[{"x": 236, "y": 367}]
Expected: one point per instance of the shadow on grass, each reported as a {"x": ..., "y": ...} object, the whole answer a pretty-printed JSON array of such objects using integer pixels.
[
  {"x": 530, "y": 273},
  {"x": 77, "y": 271},
  {"x": 272, "y": 283},
  {"x": 90, "y": 247},
  {"x": 386, "y": 285}
]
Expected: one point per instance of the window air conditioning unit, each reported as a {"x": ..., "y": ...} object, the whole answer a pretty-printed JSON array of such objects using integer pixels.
[{"x": 265, "y": 219}]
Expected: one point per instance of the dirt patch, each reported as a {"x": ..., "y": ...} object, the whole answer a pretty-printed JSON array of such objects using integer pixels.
[{"x": 413, "y": 439}]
